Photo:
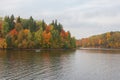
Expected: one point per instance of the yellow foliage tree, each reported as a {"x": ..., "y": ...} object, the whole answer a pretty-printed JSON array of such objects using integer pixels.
[
  {"x": 26, "y": 31},
  {"x": 3, "y": 43}
]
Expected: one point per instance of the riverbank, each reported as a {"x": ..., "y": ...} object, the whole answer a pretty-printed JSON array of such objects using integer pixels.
[
  {"x": 33, "y": 49},
  {"x": 81, "y": 48}
]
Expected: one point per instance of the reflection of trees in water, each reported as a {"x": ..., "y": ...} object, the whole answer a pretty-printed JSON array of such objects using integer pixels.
[
  {"x": 16, "y": 64},
  {"x": 56, "y": 61},
  {"x": 101, "y": 50}
]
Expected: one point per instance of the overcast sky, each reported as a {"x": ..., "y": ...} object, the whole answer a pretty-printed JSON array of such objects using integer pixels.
[{"x": 82, "y": 18}]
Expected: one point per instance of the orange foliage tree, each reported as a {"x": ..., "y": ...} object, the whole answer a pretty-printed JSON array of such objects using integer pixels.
[
  {"x": 46, "y": 37},
  {"x": 13, "y": 32}
]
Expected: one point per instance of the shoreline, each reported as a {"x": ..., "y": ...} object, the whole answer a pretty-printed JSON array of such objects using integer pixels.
[
  {"x": 92, "y": 48},
  {"x": 28, "y": 49}
]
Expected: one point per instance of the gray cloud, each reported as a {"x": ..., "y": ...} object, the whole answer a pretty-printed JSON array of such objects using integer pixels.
[{"x": 82, "y": 17}]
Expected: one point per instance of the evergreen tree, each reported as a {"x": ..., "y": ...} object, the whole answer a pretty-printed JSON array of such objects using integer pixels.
[
  {"x": 32, "y": 24},
  {"x": 43, "y": 25},
  {"x": 12, "y": 23},
  {"x": 18, "y": 19}
]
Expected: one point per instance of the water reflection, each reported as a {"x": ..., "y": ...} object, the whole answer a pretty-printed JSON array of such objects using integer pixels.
[
  {"x": 98, "y": 64},
  {"x": 28, "y": 64},
  {"x": 60, "y": 65},
  {"x": 101, "y": 50}
]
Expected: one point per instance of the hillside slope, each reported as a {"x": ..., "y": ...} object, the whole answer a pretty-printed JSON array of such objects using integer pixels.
[{"x": 106, "y": 40}]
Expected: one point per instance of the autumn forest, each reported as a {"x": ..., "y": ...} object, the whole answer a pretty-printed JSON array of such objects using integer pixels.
[
  {"x": 30, "y": 33},
  {"x": 20, "y": 33},
  {"x": 106, "y": 40}
]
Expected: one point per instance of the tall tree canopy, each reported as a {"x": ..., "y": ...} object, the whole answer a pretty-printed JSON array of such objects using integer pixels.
[{"x": 30, "y": 33}]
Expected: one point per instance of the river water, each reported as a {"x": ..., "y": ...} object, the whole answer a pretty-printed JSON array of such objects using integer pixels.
[{"x": 82, "y": 64}]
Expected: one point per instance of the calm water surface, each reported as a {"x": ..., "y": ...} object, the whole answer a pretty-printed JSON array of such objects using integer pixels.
[{"x": 60, "y": 65}]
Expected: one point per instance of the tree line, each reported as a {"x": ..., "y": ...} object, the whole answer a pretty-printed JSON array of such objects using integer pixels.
[
  {"x": 29, "y": 33},
  {"x": 106, "y": 40}
]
